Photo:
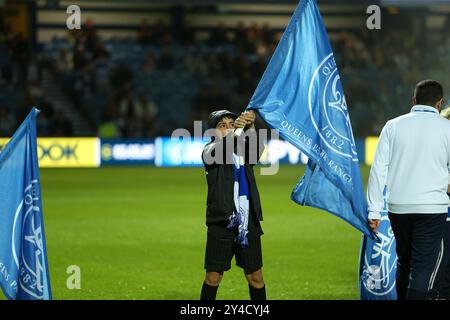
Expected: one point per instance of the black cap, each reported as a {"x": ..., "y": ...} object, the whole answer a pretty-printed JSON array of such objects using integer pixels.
[{"x": 215, "y": 116}]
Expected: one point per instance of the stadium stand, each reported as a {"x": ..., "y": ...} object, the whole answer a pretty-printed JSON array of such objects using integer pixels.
[{"x": 157, "y": 77}]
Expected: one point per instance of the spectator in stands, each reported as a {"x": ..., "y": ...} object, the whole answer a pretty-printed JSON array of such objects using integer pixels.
[
  {"x": 90, "y": 34},
  {"x": 34, "y": 71},
  {"x": 84, "y": 83},
  {"x": 145, "y": 107},
  {"x": 150, "y": 125},
  {"x": 64, "y": 63},
  {"x": 109, "y": 129},
  {"x": 223, "y": 69},
  {"x": 79, "y": 57},
  {"x": 20, "y": 84}
]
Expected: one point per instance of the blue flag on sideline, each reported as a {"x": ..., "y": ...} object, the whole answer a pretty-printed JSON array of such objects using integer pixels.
[
  {"x": 378, "y": 262},
  {"x": 301, "y": 95},
  {"x": 23, "y": 254}
]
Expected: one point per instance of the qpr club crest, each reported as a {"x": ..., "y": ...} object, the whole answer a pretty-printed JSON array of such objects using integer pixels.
[
  {"x": 28, "y": 252},
  {"x": 332, "y": 118},
  {"x": 380, "y": 262}
]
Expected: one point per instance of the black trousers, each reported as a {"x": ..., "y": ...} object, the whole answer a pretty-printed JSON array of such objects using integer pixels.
[
  {"x": 419, "y": 240},
  {"x": 441, "y": 289}
]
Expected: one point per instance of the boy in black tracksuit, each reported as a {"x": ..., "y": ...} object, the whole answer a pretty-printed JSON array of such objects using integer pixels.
[{"x": 221, "y": 239}]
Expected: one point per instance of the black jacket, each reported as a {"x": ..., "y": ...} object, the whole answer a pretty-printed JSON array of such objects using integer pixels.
[{"x": 220, "y": 177}]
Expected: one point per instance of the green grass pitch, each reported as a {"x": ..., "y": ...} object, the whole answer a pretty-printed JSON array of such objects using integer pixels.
[{"x": 139, "y": 233}]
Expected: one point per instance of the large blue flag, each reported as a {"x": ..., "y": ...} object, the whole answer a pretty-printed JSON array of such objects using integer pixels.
[
  {"x": 378, "y": 262},
  {"x": 301, "y": 95},
  {"x": 23, "y": 254}
]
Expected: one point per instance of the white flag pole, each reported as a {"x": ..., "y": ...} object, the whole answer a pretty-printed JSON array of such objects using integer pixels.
[{"x": 238, "y": 131}]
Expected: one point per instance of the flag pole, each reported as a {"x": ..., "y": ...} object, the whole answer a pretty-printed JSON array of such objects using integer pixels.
[{"x": 239, "y": 131}]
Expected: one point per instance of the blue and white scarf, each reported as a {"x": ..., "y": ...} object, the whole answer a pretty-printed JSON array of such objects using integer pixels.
[{"x": 239, "y": 218}]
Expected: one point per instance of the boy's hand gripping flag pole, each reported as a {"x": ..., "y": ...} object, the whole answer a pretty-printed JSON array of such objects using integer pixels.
[{"x": 301, "y": 95}]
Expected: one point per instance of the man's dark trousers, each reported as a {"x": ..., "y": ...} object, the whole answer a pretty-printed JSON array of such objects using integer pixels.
[
  {"x": 441, "y": 288},
  {"x": 419, "y": 240}
]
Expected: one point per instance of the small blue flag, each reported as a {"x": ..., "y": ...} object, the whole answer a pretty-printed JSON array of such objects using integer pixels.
[
  {"x": 23, "y": 254},
  {"x": 378, "y": 262},
  {"x": 301, "y": 95}
]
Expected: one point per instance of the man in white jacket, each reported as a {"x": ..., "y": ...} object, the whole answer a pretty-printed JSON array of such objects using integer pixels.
[{"x": 413, "y": 160}]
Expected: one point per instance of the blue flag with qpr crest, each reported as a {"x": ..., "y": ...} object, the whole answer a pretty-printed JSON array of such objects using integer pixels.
[
  {"x": 301, "y": 95},
  {"x": 23, "y": 254},
  {"x": 378, "y": 262}
]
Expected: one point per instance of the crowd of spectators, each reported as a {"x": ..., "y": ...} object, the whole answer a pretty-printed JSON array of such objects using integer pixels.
[
  {"x": 20, "y": 87},
  {"x": 167, "y": 77},
  {"x": 223, "y": 67},
  {"x": 125, "y": 96}
]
